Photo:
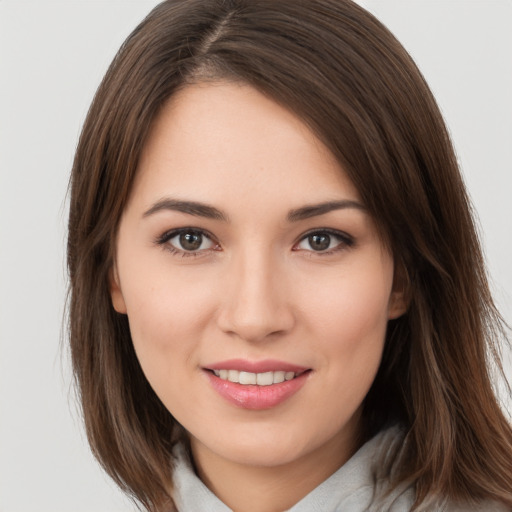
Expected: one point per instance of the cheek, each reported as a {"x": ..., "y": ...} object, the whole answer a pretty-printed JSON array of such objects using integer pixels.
[
  {"x": 166, "y": 312},
  {"x": 349, "y": 320},
  {"x": 353, "y": 306},
  {"x": 165, "y": 329}
]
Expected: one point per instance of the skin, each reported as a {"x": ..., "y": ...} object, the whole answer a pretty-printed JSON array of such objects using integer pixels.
[{"x": 255, "y": 289}]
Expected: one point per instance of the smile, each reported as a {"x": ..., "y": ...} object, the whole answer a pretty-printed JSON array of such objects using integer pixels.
[
  {"x": 260, "y": 379},
  {"x": 256, "y": 385}
]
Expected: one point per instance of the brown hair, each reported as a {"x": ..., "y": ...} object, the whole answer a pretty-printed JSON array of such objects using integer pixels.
[{"x": 348, "y": 78}]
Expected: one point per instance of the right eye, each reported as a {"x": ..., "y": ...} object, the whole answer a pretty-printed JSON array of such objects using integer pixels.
[{"x": 187, "y": 241}]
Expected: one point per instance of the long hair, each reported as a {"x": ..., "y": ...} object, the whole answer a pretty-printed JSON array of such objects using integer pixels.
[{"x": 344, "y": 74}]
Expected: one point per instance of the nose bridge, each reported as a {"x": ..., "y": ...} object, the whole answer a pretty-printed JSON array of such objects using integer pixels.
[{"x": 256, "y": 303}]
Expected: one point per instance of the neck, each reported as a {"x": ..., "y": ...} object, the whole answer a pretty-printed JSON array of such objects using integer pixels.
[{"x": 248, "y": 488}]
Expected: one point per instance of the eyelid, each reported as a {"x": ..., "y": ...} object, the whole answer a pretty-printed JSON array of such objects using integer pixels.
[
  {"x": 346, "y": 240},
  {"x": 164, "y": 238}
]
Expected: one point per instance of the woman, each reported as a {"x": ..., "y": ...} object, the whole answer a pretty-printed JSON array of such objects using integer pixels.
[{"x": 278, "y": 298}]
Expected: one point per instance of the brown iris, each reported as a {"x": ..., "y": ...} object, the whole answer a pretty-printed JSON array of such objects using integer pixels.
[
  {"x": 319, "y": 241},
  {"x": 191, "y": 240}
]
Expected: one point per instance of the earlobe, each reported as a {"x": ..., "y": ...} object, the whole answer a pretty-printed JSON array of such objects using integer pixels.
[
  {"x": 116, "y": 294},
  {"x": 397, "y": 305},
  {"x": 399, "y": 298}
]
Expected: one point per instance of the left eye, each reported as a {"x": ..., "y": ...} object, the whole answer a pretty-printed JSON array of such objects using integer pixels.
[
  {"x": 323, "y": 241},
  {"x": 191, "y": 241}
]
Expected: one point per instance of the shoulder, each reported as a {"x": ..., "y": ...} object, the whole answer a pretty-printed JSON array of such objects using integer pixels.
[{"x": 382, "y": 452}]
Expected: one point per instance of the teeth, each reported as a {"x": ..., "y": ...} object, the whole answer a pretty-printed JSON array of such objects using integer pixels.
[
  {"x": 247, "y": 378},
  {"x": 265, "y": 379},
  {"x": 278, "y": 377},
  {"x": 261, "y": 379},
  {"x": 233, "y": 375}
]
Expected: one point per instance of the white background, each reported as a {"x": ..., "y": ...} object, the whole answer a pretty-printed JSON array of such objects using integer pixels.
[{"x": 52, "y": 57}]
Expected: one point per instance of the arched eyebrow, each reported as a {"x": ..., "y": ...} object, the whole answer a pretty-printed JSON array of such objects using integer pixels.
[
  {"x": 313, "y": 210},
  {"x": 199, "y": 209},
  {"x": 190, "y": 207}
]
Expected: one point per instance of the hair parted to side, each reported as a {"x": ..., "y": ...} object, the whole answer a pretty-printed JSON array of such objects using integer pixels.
[{"x": 343, "y": 73}]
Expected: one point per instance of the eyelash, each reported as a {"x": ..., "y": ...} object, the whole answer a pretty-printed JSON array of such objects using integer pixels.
[
  {"x": 345, "y": 241},
  {"x": 164, "y": 239}
]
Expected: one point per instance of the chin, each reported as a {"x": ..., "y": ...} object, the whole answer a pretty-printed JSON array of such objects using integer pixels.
[
  {"x": 261, "y": 455},
  {"x": 272, "y": 446}
]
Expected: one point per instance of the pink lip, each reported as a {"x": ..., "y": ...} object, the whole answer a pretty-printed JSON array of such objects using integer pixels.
[
  {"x": 252, "y": 396},
  {"x": 267, "y": 365}
]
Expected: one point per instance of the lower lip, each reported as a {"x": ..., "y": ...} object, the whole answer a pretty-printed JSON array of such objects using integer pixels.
[{"x": 257, "y": 397}]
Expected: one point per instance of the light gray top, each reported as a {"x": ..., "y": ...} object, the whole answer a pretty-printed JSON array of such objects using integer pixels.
[{"x": 352, "y": 488}]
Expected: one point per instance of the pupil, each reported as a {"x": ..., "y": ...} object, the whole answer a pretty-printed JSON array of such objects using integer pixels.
[
  {"x": 319, "y": 242},
  {"x": 191, "y": 241}
]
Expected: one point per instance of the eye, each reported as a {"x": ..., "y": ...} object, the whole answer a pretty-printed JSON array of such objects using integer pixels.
[
  {"x": 324, "y": 241},
  {"x": 187, "y": 241}
]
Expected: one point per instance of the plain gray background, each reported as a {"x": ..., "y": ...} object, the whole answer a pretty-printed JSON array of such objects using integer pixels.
[{"x": 52, "y": 57}]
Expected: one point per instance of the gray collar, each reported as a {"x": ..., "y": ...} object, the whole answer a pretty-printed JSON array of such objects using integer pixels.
[{"x": 352, "y": 488}]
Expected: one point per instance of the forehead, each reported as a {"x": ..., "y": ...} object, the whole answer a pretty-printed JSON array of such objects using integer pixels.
[{"x": 224, "y": 140}]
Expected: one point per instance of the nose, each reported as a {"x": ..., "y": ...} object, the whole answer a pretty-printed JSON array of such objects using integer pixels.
[{"x": 256, "y": 304}]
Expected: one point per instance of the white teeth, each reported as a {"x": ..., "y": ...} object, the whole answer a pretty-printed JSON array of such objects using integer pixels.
[
  {"x": 278, "y": 377},
  {"x": 261, "y": 379},
  {"x": 247, "y": 378},
  {"x": 233, "y": 375},
  {"x": 265, "y": 379}
]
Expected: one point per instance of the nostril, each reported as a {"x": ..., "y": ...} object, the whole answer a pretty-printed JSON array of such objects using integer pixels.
[{"x": 255, "y": 324}]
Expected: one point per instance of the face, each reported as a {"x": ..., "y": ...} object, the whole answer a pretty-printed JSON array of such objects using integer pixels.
[{"x": 256, "y": 286}]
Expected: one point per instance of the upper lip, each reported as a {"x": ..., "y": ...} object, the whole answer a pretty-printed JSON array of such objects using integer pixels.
[{"x": 266, "y": 365}]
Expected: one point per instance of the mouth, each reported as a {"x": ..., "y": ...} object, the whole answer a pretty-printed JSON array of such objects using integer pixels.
[
  {"x": 259, "y": 379},
  {"x": 256, "y": 385}
]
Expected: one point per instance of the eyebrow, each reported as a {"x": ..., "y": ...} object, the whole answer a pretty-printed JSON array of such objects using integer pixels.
[
  {"x": 210, "y": 212},
  {"x": 314, "y": 210},
  {"x": 189, "y": 207}
]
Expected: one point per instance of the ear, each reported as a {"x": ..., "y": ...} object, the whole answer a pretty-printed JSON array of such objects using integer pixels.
[
  {"x": 399, "y": 298},
  {"x": 116, "y": 294}
]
